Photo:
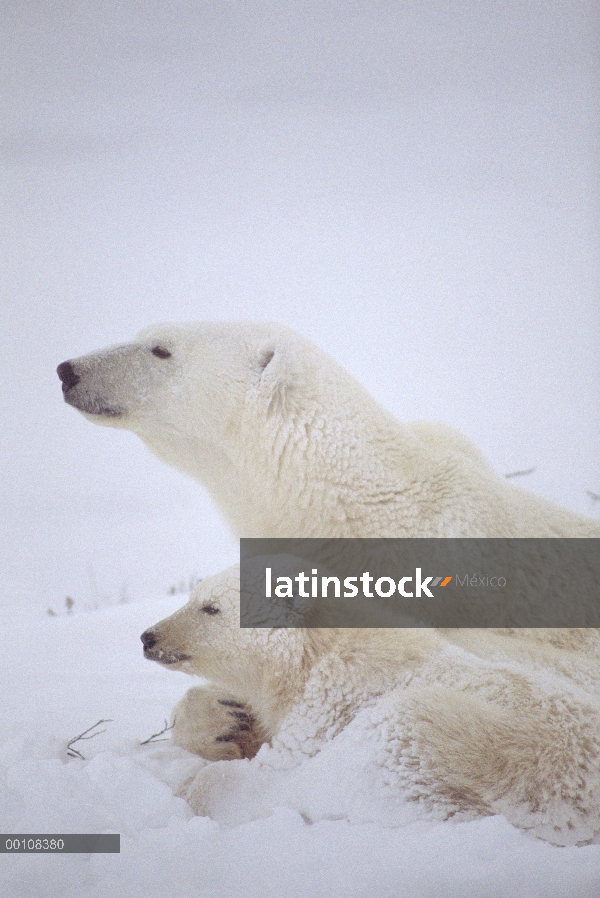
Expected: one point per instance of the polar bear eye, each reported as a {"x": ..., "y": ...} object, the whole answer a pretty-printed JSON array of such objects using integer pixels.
[
  {"x": 210, "y": 609},
  {"x": 161, "y": 352}
]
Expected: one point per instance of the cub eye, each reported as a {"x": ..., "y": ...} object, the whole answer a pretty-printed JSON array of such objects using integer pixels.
[
  {"x": 210, "y": 609},
  {"x": 161, "y": 352}
]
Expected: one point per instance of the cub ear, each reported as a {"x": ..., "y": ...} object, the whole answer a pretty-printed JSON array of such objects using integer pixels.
[{"x": 283, "y": 606}]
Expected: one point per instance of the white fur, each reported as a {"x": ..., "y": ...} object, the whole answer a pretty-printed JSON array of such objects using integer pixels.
[
  {"x": 465, "y": 722},
  {"x": 289, "y": 444}
]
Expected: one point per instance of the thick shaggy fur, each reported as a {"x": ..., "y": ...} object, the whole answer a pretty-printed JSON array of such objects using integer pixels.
[
  {"x": 463, "y": 721},
  {"x": 288, "y": 444}
]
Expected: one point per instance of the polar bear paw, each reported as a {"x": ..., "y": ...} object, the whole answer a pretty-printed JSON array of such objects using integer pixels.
[{"x": 215, "y": 725}]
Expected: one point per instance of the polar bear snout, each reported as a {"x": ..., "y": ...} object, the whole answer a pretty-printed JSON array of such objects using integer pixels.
[
  {"x": 88, "y": 385},
  {"x": 149, "y": 639},
  {"x": 154, "y": 651},
  {"x": 67, "y": 375}
]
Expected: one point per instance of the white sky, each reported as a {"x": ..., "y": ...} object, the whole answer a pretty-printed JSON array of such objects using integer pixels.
[{"x": 413, "y": 185}]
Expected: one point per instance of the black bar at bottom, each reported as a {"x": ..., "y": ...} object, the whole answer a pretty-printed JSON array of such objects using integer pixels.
[{"x": 42, "y": 843}]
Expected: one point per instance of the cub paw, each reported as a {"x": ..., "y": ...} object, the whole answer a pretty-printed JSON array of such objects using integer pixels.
[{"x": 213, "y": 724}]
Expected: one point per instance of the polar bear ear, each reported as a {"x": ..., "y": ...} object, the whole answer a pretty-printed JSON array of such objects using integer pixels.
[
  {"x": 265, "y": 358},
  {"x": 279, "y": 606},
  {"x": 273, "y": 379}
]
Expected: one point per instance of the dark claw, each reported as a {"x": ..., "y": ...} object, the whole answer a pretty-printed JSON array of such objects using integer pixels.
[
  {"x": 228, "y": 737},
  {"x": 229, "y": 703},
  {"x": 240, "y": 715}
]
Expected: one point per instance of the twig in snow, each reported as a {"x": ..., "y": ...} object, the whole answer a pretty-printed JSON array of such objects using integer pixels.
[
  {"x": 520, "y": 473},
  {"x": 75, "y": 753},
  {"x": 595, "y": 497},
  {"x": 154, "y": 736}
]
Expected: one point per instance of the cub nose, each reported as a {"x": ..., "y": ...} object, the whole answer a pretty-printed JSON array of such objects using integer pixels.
[
  {"x": 67, "y": 375},
  {"x": 148, "y": 638}
]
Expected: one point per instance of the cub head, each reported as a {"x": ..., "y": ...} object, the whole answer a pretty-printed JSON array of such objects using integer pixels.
[
  {"x": 199, "y": 637},
  {"x": 205, "y": 638}
]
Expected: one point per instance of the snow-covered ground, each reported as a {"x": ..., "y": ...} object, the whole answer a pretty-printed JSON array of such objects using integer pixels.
[{"x": 62, "y": 674}]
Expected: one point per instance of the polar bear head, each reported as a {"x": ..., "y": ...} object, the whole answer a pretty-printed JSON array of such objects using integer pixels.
[
  {"x": 175, "y": 375},
  {"x": 205, "y": 638},
  {"x": 254, "y": 411}
]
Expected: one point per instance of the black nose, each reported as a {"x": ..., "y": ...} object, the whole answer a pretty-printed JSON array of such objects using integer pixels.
[
  {"x": 148, "y": 638},
  {"x": 67, "y": 375}
]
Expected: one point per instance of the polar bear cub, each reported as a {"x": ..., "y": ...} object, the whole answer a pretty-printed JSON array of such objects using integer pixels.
[{"x": 518, "y": 735}]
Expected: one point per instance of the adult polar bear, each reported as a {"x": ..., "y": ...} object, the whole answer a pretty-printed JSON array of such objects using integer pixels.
[{"x": 288, "y": 444}]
